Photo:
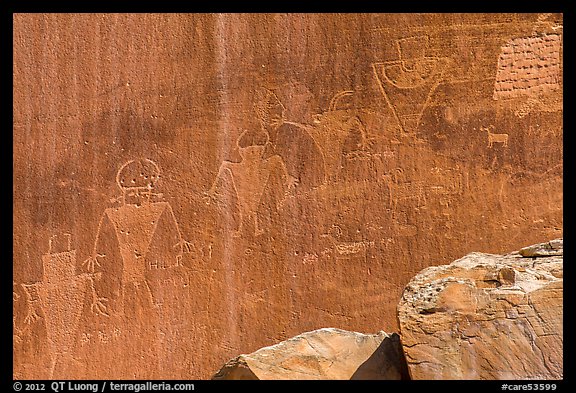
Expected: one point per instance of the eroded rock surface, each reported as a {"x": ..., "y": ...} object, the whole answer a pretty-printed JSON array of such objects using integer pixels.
[
  {"x": 323, "y": 354},
  {"x": 485, "y": 316},
  {"x": 190, "y": 187},
  {"x": 547, "y": 249}
]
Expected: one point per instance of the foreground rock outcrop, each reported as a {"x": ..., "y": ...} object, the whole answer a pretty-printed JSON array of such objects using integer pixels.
[
  {"x": 323, "y": 354},
  {"x": 486, "y": 316}
]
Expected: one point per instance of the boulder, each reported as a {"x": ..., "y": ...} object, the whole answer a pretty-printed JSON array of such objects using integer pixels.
[
  {"x": 551, "y": 248},
  {"x": 323, "y": 354},
  {"x": 486, "y": 316}
]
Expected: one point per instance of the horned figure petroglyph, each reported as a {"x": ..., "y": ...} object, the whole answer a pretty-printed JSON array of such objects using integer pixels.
[
  {"x": 249, "y": 177},
  {"x": 332, "y": 128},
  {"x": 500, "y": 138},
  {"x": 319, "y": 144},
  {"x": 291, "y": 139},
  {"x": 399, "y": 190}
]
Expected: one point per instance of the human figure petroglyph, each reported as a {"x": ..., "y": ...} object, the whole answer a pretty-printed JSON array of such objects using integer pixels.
[
  {"x": 59, "y": 299},
  {"x": 332, "y": 128},
  {"x": 141, "y": 235},
  {"x": 291, "y": 139},
  {"x": 138, "y": 247},
  {"x": 408, "y": 83},
  {"x": 499, "y": 138},
  {"x": 319, "y": 145},
  {"x": 249, "y": 177},
  {"x": 16, "y": 331}
]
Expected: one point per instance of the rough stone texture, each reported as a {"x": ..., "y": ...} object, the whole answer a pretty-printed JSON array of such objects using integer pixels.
[
  {"x": 323, "y": 354},
  {"x": 242, "y": 178},
  {"x": 551, "y": 248},
  {"x": 485, "y": 316}
]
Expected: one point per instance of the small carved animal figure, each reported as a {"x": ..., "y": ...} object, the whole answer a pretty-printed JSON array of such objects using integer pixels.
[
  {"x": 399, "y": 189},
  {"x": 501, "y": 138}
]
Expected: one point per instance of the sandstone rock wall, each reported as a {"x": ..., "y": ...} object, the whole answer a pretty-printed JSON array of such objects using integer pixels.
[
  {"x": 484, "y": 316},
  {"x": 182, "y": 180}
]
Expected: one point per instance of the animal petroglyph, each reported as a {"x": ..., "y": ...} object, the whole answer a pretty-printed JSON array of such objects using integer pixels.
[
  {"x": 448, "y": 180},
  {"x": 528, "y": 66},
  {"x": 407, "y": 84},
  {"x": 402, "y": 227},
  {"x": 249, "y": 177},
  {"x": 346, "y": 249},
  {"x": 498, "y": 138},
  {"x": 402, "y": 190}
]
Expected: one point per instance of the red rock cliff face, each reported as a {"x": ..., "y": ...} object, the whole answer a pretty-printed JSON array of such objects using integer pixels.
[{"x": 188, "y": 188}]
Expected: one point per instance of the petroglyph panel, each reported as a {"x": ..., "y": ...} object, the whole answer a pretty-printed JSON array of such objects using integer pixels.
[
  {"x": 528, "y": 66},
  {"x": 190, "y": 187}
]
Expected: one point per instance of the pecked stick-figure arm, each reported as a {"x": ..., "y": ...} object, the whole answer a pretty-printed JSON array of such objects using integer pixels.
[
  {"x": 98, "y": 303},
  {"x": 356, "y": 122},
  {"x": 93, "y": 266}
]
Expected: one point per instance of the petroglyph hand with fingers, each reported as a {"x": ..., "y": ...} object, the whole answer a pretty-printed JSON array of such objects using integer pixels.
[
  {"x": 98, "y": 307},
  {"x": 32, "y": 315},
  {"x": 186, "y": 246},
  {"x": 92, "y": 262},
  {"x": 291, "y": 182}
]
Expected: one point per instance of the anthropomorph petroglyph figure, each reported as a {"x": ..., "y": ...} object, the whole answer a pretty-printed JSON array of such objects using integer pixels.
[
  {"x": 331, "y": 131},
  {"x": 249, "y": 177},
  {"x": 291, "y": 138},
  {"x": 59, "y": 299},
  {"x": 137, "y": 237},
  {"x": 136, "y": 243},
  {"x": 408, "y": 83}
]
